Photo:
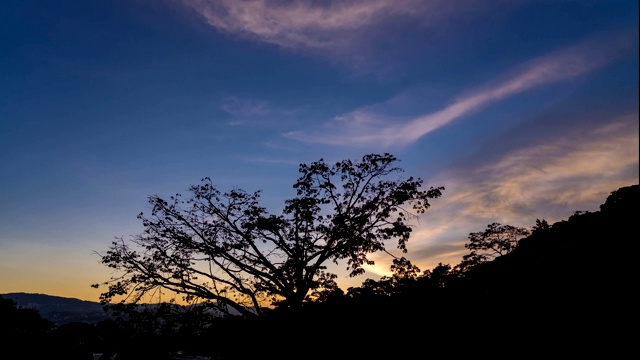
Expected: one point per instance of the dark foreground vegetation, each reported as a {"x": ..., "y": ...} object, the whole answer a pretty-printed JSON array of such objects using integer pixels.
[{"x": 563, "y": 290}]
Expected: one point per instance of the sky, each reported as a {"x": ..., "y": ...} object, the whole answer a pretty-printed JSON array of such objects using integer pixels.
[{"x": 522, "y": 110}]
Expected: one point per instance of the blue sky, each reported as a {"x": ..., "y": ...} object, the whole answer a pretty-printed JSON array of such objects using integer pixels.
[{"x": 520, "y": 109}]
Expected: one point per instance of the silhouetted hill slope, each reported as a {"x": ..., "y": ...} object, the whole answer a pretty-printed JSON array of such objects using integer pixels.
[
  {"x": 570, "y": 283},
  {"x": 570, "y": 259},
  {"x": 59, "y": 309}
]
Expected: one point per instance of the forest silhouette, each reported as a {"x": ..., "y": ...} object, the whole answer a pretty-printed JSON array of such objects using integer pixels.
[{"x": 562, "y": 290}]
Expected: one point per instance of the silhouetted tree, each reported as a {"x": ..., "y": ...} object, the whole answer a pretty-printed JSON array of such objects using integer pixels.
[
  {"x": 23, "y": 332},
  {"x": 497, "y": 240},
  {"x": 403, "y": 269},
  {"x": 541, "y": 225},
  {"x": 227, "y": 249},
  {"x": 21, "y": 322},
  {"x": 404, "y": 277},
  {"x": 622, "y": 201},
  {"x": 370, "y": 289},
  {"x": 439, "y": 277},
  {"x": 330, "y": 290},
  {"x": 388, "y": 289}
]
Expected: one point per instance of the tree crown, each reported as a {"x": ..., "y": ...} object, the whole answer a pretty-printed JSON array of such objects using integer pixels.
[{"x": 227, "y": 249}]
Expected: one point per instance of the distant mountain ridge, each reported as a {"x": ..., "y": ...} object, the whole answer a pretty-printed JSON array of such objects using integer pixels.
[
  {"x": 59, "y": 309},
  {"x": 63, "y": 310}
]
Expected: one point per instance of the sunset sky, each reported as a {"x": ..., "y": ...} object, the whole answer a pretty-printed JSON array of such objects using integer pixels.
[{"x": 522, "y": 110}]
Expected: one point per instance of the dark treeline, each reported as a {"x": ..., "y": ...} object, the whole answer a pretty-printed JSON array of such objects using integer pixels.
[{"x": 562, "y": 289}]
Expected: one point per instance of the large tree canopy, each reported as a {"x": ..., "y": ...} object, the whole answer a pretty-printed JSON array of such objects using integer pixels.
[{"x": 226, "y": 249}]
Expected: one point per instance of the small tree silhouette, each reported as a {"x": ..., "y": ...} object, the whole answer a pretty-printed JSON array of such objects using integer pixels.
[{"x": 497, "y": 240}]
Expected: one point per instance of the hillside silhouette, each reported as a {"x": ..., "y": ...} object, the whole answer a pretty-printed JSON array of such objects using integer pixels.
[
  {"x": 565, "y": 288},
  {"x": 58, "y": 309},
  {"x": 563, "y": 291}
]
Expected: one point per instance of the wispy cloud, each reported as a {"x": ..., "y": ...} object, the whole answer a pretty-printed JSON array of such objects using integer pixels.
[
  {"x": 363, "y": 128},
  {"x": 569, "y": 173},
  {"x": 309, "y": 24},
  {"x": 245, "y": 107},
  {"x": 550, "y": 181},
  {"x": 348, "y": 33},
  {"x": 244, "y": 111},
  {"x": 271, "y": 160}
]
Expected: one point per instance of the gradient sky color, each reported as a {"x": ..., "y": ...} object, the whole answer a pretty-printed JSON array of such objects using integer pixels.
[{"x": 522, "y": 110}]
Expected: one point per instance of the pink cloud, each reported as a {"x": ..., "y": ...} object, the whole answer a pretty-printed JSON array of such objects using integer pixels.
[{"x": 361, "y": 128}]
